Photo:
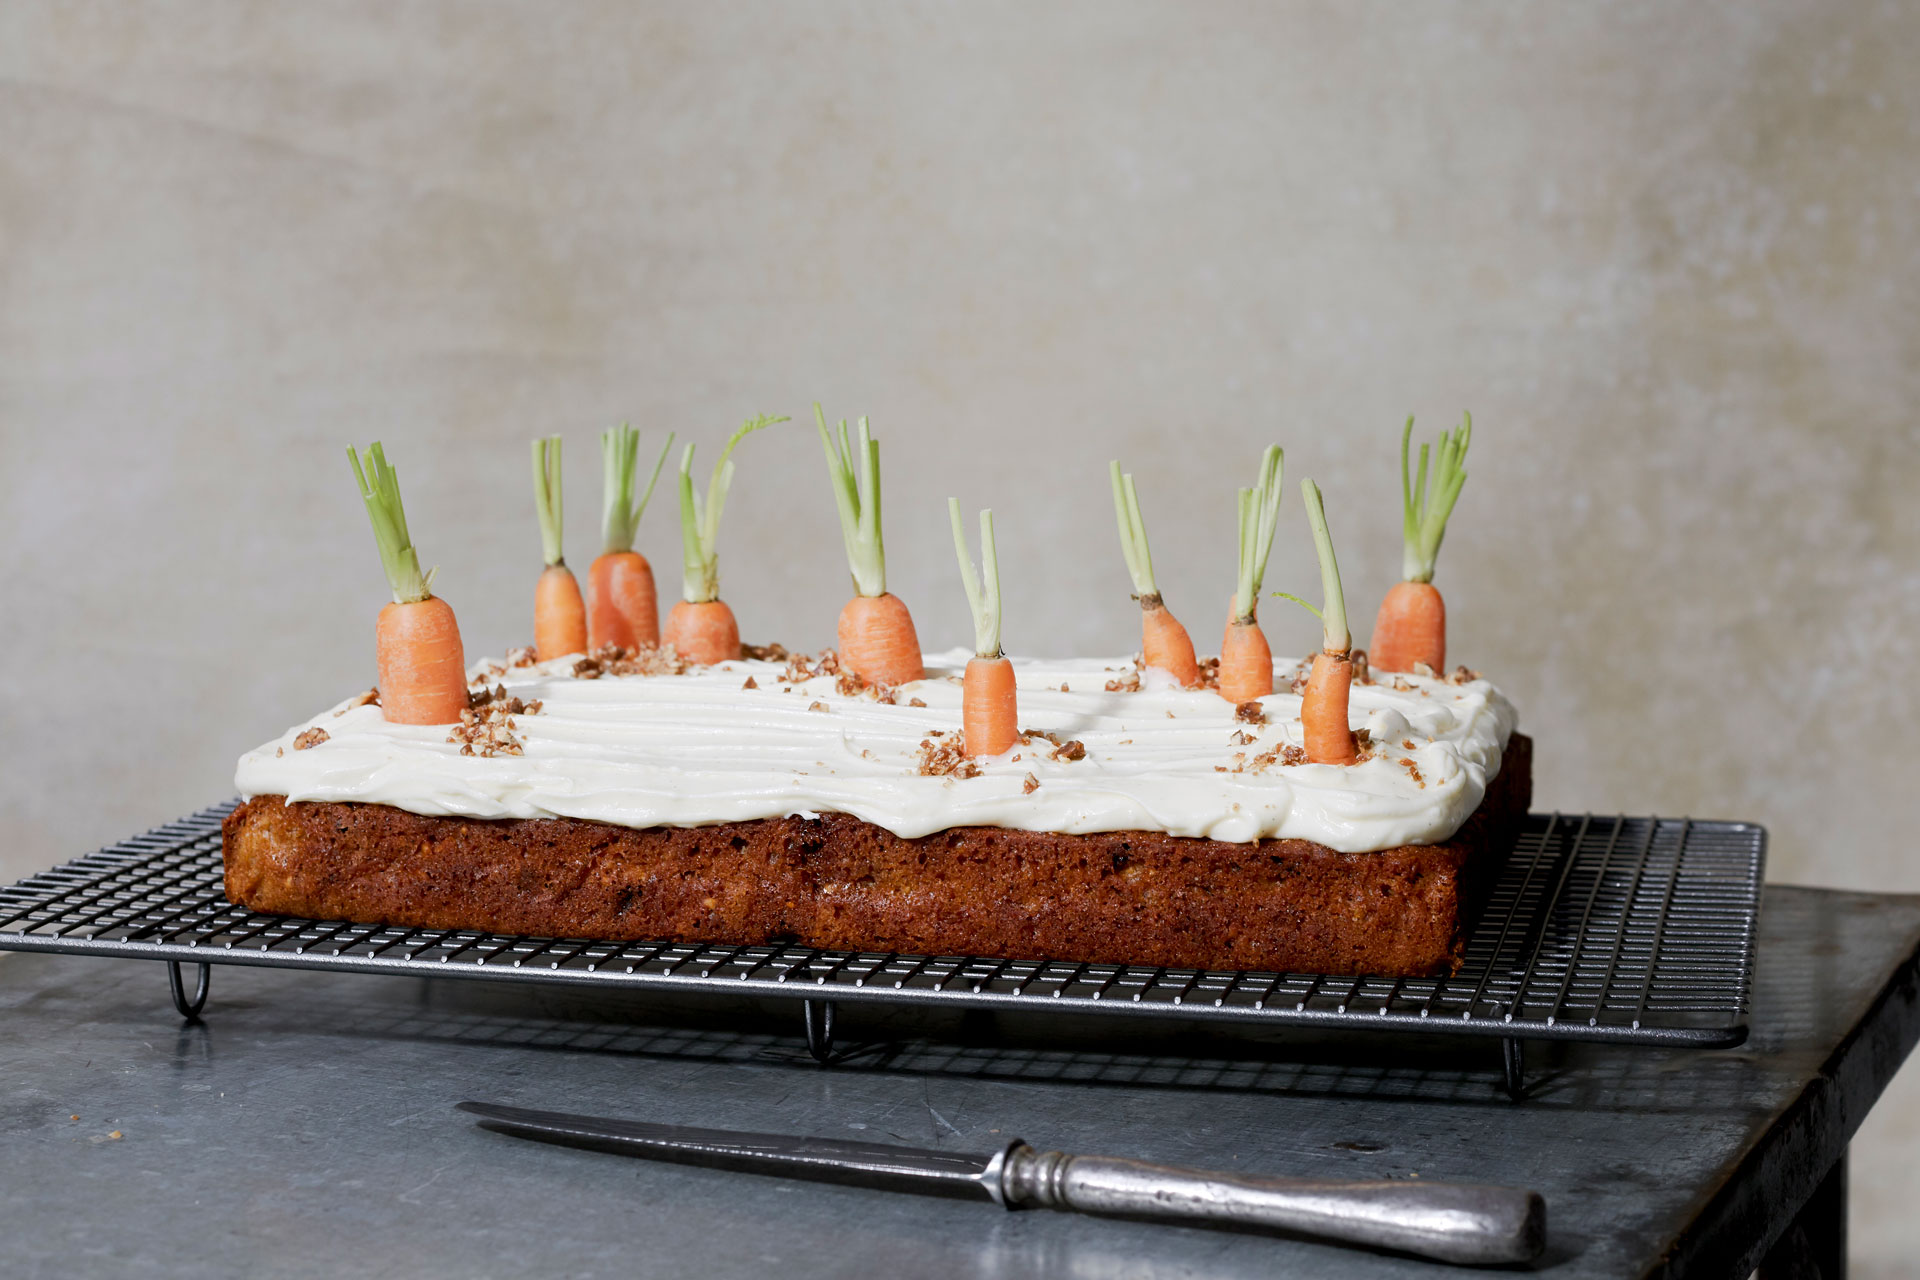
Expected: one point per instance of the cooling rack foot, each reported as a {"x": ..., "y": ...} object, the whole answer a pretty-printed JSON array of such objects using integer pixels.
[
  {"x": 1513, "y": 1068},
  {"x": 189, "y": 1009},
  {"x": 819, "y": 1014}
]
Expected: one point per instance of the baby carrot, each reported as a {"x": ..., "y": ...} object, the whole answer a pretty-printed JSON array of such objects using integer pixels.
[
  {"x": 559, "y": 614},
  {"x": 1411, "y": 627},
  {"x": 876, "y": 635},
  {"x": 622, "y": 608},
  {"x": 989, "y": 704},
  {"x": 1323, "y": 708},
  {"x": 1164, "y": 643},
  {"x": 1246, "y": 661},
  {"x": 422, "y": 667},
  {"x": 701, "y": 628}
]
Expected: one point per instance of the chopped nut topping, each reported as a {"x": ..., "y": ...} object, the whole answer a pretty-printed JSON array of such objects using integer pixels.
[
  {"x": 1241, "y": 738},
  {"x": 849, "y": 685},
  {"x": 311, "y": 738},
  {"x": 764, "y": 652},
  {"x": 945, "y": 759},
  {"x": 1209, "y": 674},
  {"x": 1414, "y": 771},
  {"x": 487, "y": 726},
  {"x": 915, "y": 702},
  {"x": 818, "y": 706},
  {"x": 647, "y": 660},
  {"x": 1461, "y": 675},
  {"x": 1072, "y": 749},
  {"x": 1250, "y": 713},
  {"x": 1293, "y": 755},
  {"x": 798, "y": 668},
  {"x": 1362, "y": 674},
  {"x": 1401, "y": 686},
  {"x": 1301, "y": 674},
  {"x": 1422, "y": 669},
  {"x": 1030, "y": 785},
  {"x": 1128, "y": 683},
  {"x": 371, "y": 698},
  {"x": 751, "y": 683},
  {"x": 521, "y": 657}
]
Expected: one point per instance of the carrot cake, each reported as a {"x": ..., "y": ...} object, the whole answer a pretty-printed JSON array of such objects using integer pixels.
[{"x": 631, "y": 796}]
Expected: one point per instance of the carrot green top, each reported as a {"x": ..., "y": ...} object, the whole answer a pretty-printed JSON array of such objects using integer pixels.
[
  {"x": 546, "y": 496},
  {"x": 379, "y": 486},
  {"x": 1133, "y": 533},
  {"x": 619, "y": 513},
  {"x": 1259, "y": 513},
  {"x": 1428, "y": 498},
  {"x": 700, "y": 526},
  {"x": 854, "y": 467},
  {"x": 1335, "y": 638},
  {"x": 983, "y": 598}
]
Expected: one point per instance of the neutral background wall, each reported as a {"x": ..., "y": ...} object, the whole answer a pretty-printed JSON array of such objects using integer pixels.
[{"x": 1665, "y": 254}]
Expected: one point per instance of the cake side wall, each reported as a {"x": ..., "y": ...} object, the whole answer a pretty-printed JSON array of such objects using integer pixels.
[{"x": 837, "y": 882}]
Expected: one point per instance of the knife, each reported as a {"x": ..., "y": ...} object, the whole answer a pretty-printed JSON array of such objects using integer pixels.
[{"x": 1455, "y": 1222}]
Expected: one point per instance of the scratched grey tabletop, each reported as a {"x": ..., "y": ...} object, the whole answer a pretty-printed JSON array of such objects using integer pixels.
[{"x": 305, "y": 1128}]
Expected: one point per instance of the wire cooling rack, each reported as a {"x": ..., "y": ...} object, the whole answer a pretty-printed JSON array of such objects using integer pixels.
[{"x": 1618, "y": 929}]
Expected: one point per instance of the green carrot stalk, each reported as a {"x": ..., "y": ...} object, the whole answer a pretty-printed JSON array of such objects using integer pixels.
[
  {"x": 546, "y": 496},
  {"x": 619, "y": 512},
  {"x": 983, "y": 593},
  {"x": 379, "y": 486},
  {"x": 1259, "y": 510},
  {"x": 1133, "y": 532},
  {"x": 1427, "y": 498},
  {"x": 700, "y": 525},
  {"x": 853, "y": 465}
]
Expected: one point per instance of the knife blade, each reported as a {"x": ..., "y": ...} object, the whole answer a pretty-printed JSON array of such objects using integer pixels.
[{"x": 1454, "y": 1222}]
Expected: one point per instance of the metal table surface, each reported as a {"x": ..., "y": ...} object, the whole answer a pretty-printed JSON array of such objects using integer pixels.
[{"x": 305, "y": 1128}]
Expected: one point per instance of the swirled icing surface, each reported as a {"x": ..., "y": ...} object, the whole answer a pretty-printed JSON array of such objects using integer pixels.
[{"x": 699, "y": 748}]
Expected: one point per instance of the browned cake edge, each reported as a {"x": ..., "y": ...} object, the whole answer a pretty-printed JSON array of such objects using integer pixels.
[{"x": 1135, "y": 897}]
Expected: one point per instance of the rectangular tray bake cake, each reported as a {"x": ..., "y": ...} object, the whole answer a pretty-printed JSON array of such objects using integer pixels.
[{"x": 769, "y": 801}]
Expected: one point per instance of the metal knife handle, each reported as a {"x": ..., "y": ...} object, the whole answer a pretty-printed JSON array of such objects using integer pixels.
[{"x": 1454, "y": 1222}]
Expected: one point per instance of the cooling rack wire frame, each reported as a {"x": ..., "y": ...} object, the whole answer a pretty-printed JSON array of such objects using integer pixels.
[{"x": 1615, "y": 929}]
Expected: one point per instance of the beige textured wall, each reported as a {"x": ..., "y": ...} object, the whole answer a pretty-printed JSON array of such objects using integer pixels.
[{"x": 1666, "y": 254}]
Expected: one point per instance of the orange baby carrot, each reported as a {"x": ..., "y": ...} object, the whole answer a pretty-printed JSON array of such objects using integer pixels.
[
  {"x": 622, "y": 607},
  {"x": 1323, "y": 708},
  {"x": 989, "y": 707},
  {"x": 876, "y": 636},
  {"x": 559, "y": 614},
  {"x": 1164, "y": 643},
  {"x": 989, "y": 704},
  {"x": 1246, "y": 661},
  {"x": 878, "y": 642},
  {"x": 1411, "y": 627},
  {"x": 422, "y": 667},
  {"x": 703, "y": 631},
  {"x": 701, "y": 628}
]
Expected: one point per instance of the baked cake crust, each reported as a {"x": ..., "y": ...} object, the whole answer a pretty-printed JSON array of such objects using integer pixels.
[{"x": 1128, "y": 897}]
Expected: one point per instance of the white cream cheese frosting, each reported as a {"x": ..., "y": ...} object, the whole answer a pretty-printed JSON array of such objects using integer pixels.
[{"x": 701, "y": 748}]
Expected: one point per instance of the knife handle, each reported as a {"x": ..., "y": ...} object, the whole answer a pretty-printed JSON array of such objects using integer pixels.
[{"x": 1454, "y": 1222}]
